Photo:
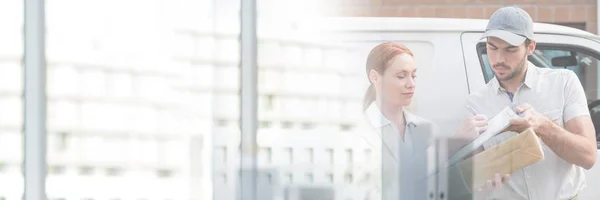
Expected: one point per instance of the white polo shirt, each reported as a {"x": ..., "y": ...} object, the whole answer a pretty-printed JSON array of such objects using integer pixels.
[{"x": 557, "y": 94}]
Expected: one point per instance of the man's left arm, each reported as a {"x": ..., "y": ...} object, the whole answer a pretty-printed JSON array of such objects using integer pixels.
[{"x": 576, "y": 142}]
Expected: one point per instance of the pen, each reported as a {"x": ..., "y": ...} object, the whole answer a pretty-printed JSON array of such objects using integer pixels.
[
  {"x": 471, "y": 110},
  {"x": 514, "y": 106},
  {"x": 514, "y": 109}
]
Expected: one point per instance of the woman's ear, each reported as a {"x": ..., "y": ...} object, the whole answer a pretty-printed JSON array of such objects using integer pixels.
[{"x": 374, "y": 76}]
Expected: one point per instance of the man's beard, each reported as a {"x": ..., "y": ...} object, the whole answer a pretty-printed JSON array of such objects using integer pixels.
[{"x": 518, "y": 69}]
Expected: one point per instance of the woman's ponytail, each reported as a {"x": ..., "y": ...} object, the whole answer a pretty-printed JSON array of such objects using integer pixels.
[{"x": 369, "y": 97}]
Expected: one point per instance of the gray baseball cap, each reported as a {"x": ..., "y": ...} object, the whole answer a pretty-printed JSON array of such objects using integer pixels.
[{"x": 511, "y": 24}]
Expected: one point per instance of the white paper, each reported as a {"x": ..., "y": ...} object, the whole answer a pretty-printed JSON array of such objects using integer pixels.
[{"x": 495, "y": 125}]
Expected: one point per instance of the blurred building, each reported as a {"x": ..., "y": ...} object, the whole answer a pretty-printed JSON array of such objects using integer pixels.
[
  {"x": 130, "y": 94},
  {"x": 581, "y": 14},
  {"x": 138, "y": 92}
]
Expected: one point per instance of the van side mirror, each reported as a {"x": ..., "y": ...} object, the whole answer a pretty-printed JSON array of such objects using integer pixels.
[{"x": 564, "y": 61}]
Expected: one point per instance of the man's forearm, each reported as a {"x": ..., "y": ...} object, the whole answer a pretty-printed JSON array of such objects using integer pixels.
[{"x": 574, "y": 148}]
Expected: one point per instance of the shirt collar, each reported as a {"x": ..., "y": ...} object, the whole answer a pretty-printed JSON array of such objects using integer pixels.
[
  {"x": 378, "y": 120},
  {"x": 531, "y": 77}
]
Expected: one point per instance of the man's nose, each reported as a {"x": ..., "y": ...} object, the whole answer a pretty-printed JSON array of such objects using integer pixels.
[{"x": 500, "y": 57}]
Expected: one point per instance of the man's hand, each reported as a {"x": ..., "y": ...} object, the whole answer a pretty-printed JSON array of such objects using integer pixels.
[
  {"x": 530, "y": 119},
  {"x": 491, "y": 185},
  {"x": 470, "y": 129},
  {"x": 473, "y": 126}
]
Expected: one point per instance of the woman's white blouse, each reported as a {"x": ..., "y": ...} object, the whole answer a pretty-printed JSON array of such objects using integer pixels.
[{"x": 399, "y": 168}]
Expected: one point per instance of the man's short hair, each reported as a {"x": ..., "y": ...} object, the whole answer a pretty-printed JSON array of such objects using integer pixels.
[{"x": 527, "y": 42}]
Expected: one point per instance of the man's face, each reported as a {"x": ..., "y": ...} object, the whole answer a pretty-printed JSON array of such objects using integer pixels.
[{"x": 507, "y": 61}]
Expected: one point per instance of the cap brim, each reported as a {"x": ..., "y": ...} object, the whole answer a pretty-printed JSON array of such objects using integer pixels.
[{"x": 510, "y": 38}]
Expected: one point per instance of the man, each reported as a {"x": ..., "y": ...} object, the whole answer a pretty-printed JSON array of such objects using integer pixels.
[{"x": 551, "y": 101}]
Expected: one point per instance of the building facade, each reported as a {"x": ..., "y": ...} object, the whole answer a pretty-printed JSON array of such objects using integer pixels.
[
  {"x": 581, "y": 14},
  {"x": 137, "y": 104}
]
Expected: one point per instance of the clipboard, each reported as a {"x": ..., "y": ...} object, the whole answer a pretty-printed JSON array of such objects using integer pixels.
[{"x": 495, "y": 125}]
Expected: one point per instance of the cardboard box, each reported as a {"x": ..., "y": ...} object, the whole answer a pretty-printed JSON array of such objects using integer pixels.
[{"x": 509, "y": 156}]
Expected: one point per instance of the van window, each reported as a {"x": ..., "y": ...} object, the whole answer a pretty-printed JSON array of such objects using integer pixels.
[{"x": 581, "y": 60}]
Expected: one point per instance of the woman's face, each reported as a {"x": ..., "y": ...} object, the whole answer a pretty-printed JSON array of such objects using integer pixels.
[{"x": 397, "y": 84}]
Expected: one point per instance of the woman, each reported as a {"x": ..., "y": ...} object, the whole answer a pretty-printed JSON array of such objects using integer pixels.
[{"x": 402, "y": 137}]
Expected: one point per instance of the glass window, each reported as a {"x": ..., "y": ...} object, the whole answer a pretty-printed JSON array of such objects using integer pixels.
[
  {"x": 330, "y": 155},
  {"x": 223, "y": 178},
  {"x": 367, "y": 177},
  {"x": 307, "y": 125},
  {"x": 114, "y": 171},
  {"x": 309, "y": 177},
  {"x": 269, "y": 178},
  {"x": 311, "y": 155},
  {"x": 264, "y": 124},
  {"x": 86, "y": 170},
  {"x": 348, "y": 178},
  {"x": 289, "y": 178},
  {"x": 287, "y": 124},
  {"x": 349, "y": 156},
  {"x": 265, "y": 155},
  {"x": 56, "y": 170},
  {"x": 289, "y": 154},
  {"x": 367, "y": 155},
  {"x": 329, "y": 177}
]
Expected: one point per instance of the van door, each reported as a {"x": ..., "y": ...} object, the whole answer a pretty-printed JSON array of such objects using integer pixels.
[{"x": 581, "y": 55}]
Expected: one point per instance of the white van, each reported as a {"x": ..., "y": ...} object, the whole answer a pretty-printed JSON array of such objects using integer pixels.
[{"x": 452, "y": 62}]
